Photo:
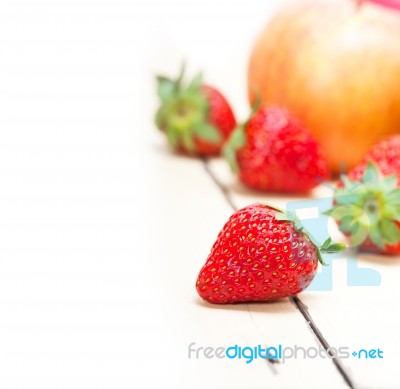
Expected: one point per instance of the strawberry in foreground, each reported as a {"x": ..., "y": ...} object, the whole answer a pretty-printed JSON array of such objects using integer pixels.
[
  {"x": 273, "y": 151},
  {"x": 260, "y": 255},
  {"x": 367, "y": 200},
  {"x": 196, "y": 118}
]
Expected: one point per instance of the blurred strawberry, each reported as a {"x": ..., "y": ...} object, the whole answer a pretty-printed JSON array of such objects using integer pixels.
[
  {"x": 196, "y": 118},
  {"x": 273, "y": 151},
  {"x": 367, "y": 200}
]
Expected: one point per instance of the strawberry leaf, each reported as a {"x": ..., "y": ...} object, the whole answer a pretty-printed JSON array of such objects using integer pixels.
[
  {"x": 376, "y": 235},
  {"x": 188, "y": 141},
  {"x": 230, "y": 156},
  {"x": 341, "y": 212},
  {"x": 347, "y": 198},
  {"x": 236, "y": 141},
  {"x": 292, "y": 217},
  {"x": 329, "y": 248},
  {"x": 172, "y": 137},
  {"x": 195, "y": 83},
  {"x": 179, "y": 80},
  {"x": 371, "y": 173},
  {"x": 392, "y": 212},
  {"x": 208, "y": 133},
  {"x": 390, "y": 231},
  {"x": 166, "y": 89},
  {"x": 333, "y": 248},
  {"x": 326, "y": 243},
  {"x": 389, "y": 183},
  {"x": 256, "y": 105},
  {"x": 394, "y": 197},
  {"x": 350, "y": 224}
]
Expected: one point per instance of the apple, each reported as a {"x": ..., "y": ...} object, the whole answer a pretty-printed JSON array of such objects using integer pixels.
[{"x": 336, "y": 65}]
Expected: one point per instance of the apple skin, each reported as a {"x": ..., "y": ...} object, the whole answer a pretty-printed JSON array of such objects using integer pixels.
[{"x": 337, "y": 67}]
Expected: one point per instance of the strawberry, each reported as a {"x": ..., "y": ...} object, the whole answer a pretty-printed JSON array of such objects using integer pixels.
[
  {"x": 259, "y": 255},
  {"x": 367, "y": 200},
  {"x": 196, "y": 118},
  {"x": 273, "y": 151},
  {"x": 386, "y": 157}
]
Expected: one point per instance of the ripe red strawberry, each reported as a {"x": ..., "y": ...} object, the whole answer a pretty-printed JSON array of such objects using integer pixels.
[
  {"x": 367, "y": 200},
  {"x": 273, "y": 151},
  {"x": 386, "y": 157},
  {"x": 196, "y": 118},
  {"x": 259, "y": 255}
]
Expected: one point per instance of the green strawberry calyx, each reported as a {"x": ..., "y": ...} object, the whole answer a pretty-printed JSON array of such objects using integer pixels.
[
  {"x": 326, "y": 248},
  {"x": 183, "y": 112},
  {"x": 369, "y": 208},
  {"x": 237, "y": 140}
]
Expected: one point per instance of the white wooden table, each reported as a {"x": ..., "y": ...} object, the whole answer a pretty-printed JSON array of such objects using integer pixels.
[
  {"x": 194, "y": 199},
  {"x": 196, "y": 202}
]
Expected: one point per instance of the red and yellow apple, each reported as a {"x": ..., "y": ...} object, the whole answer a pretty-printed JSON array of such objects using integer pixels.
[{"x": 336, "y": 65}]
